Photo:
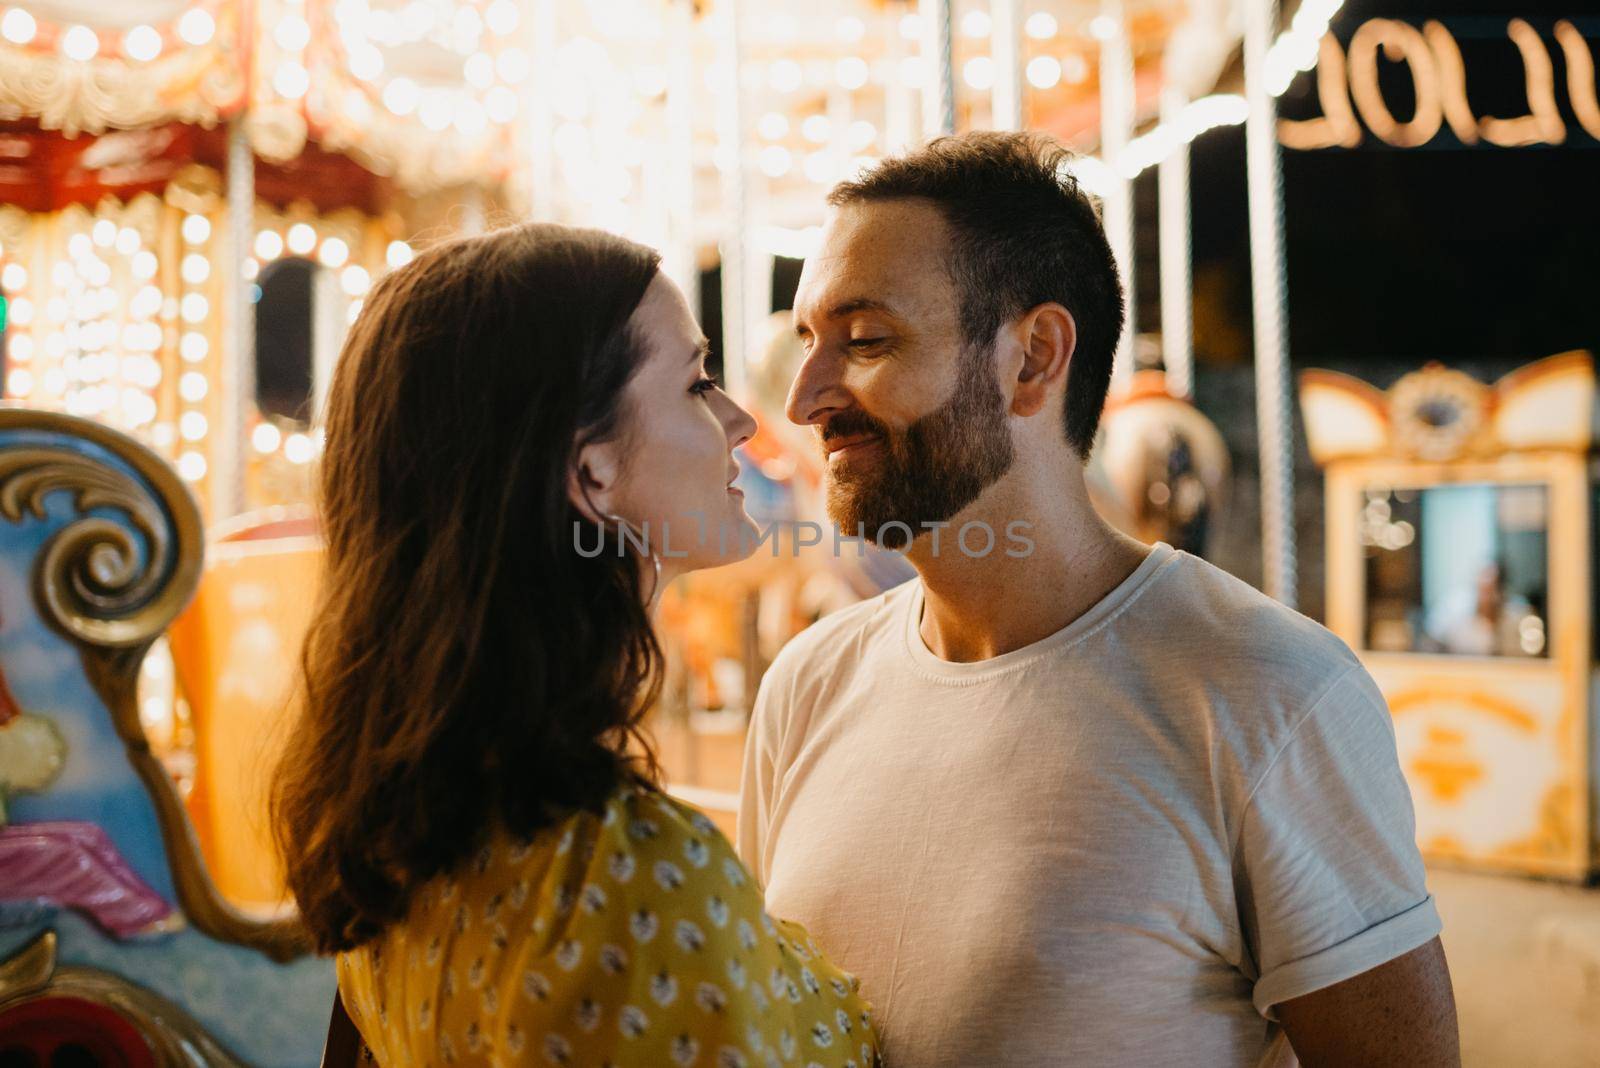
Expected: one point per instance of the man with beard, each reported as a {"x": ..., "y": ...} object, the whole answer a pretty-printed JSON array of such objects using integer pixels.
[{"x": 1093, "y": 803}]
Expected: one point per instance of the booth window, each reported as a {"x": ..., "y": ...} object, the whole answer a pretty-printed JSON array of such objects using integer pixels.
[
  {"x": 284, "y": 296},
  {"x": 1460, "y": 570}
]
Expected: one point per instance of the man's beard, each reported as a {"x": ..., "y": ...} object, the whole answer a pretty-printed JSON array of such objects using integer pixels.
[{"x": 930, "y": 471}]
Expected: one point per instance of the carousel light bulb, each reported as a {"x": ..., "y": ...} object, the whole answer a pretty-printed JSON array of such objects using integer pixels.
[
  {"x": 269, "y": 245},
  {"x": 20, "y": 348},
  {"x": 128, "y": 241},
  {"x": 819, "y": 167},
  {"x": 192, "y": 426},
  {"x": 1041, "y": 26},
  {"x": 192, "y": 466},
  {"x": 197, "y": 26},
  {"x": 192, "y": 386},
  {"x": 195, "y": 308},
  {"x": 1102, "y": 27},
  {"x": 773, "y": 125},
  {"x": 500, "y": 105},
  {"x": 80, "y": 43},
  {"x": 297, "y": 448},
  {"x": 976, "y": 23},
  {"x": 478, "y": 70},
  {"x": 776, "y": 161},
  {"x": 850, "y": 29},
  {"x": 196, "y": 229},
  {"x": 265, "y": 437},
  {"x": 104, "y": 233},
  {"x": 79, "y": 246},
  {"x": 18, "y": 26},
  {"x": 252, "y": 267},
  {"x": 911, "y": 27},
  {"x": 13, "y": 276},
  {"x": 816, "y": 128},
  {"x": 852, "y": 72},
  {"x": 355, "y": 280},
  {"x": 785, "y": 76},
  {"x": 978, "y": 72},
  {"x": 291, "y": 80},
  {"x": 138, "y": 408},
  {"x": 333, "y": 252},
  {"x": 501, "y": 17},
  {"x": 193, "y": 347},
  {"x": 400, "y": 96},
  {"x": 514, "y": 65},
  {"x": 435, "y": 110},
  {"x": 469, "y": 117},
  {"x": 398, "y": 254},
  {"x": 1044, "y": 72},
  {"x": 301, "y": 239},
  {"x": 19, "y": 382},
  {"x": 196, "y": 268},
  {"x": 861, "y": 134},
  {"x": 21, "y": 311},
  {"x": 292, "y": 33},
  {"x": 366, "y": 62},
  {"x": 146, "y": 304},
  {"x": 142, "y": 43}
]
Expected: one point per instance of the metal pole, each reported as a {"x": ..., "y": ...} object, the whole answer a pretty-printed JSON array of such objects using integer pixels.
[
  {"x": 1006, "y": 15},
  {"x": 543, "y": 36},
  {"x": 1116, "y": 125},
  {"x": 1177, "y": 324},
  {"x": 1270, "y": 311},
  {"x": 237, "y": 380},
  {"x": 682, "y": 263},
  {"x": 939, "y": 75},
  {"x": 735, "y": 233}
]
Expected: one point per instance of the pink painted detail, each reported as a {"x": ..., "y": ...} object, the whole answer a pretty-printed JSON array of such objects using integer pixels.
[{"x": 74, "y": 865}]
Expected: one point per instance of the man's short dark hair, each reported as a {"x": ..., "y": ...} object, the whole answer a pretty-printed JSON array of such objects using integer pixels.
[{"x": 1023, "y": 234}]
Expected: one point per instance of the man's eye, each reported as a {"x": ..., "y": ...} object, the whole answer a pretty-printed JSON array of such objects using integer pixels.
[{"x": 865, "y": 342}]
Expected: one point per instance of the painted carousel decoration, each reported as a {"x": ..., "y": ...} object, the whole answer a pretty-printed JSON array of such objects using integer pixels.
[{"x": 1460, "y": 565}]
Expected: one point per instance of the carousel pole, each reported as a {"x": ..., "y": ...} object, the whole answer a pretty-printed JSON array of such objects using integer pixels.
[
  {"x": 1177, "y": 323},
  {"x": 1269, "y": 301},
  {"x": 238, "y": 374},
  {"x": 734, "y": 241},
  {"x": 1116, "y": 123},
  {"x": 543, "y": 33},
  {"x": 682, "y": 261},
  {"x": 1006, "y": 15},
  {"x": 939, "y": 75}
]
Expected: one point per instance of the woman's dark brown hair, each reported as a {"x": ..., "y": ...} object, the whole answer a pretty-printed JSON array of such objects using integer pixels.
[{"x": 465, "y": 669}]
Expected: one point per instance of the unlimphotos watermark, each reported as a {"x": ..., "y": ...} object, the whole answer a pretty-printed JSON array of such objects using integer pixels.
[{"x": 975, "y": 539}]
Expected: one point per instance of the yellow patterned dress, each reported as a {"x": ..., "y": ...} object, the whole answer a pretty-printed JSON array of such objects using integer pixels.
[{"x": 630, "y": 938}]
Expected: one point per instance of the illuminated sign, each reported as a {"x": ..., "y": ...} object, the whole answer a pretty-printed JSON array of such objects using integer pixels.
[{"x": 1440, "y": 79}]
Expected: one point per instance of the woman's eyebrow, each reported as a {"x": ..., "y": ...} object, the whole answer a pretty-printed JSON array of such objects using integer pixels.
[{"x": 701, "y": 352}]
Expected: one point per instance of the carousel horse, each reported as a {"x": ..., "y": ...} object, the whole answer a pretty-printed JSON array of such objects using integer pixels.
[{"x": 116, "y": 947}]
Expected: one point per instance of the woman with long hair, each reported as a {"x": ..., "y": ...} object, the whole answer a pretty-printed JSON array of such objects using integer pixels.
[{"x": 468, "y": 815}]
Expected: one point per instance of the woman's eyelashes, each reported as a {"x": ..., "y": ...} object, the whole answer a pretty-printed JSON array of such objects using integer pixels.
[{"x": 703, "y": 385}]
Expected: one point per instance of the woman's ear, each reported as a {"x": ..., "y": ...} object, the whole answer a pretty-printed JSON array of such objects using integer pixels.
[
  {"x": 592, "y": 480},
  {"x": 1049, "y": 336}
]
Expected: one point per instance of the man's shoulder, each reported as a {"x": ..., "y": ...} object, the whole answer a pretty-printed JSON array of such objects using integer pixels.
[
  {"x": 838, "y": 639},
  {"x": 1225, "y": 628}
]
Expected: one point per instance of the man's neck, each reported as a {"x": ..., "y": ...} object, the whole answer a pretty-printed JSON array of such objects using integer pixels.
[{"x": 978, "y": 607}]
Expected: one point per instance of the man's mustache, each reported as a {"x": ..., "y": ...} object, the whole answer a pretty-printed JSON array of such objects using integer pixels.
[{"x": 850, "y": 423}]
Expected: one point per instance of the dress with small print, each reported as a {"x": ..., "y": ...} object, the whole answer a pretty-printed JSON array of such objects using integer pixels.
[{"x": 630, "y": 938}]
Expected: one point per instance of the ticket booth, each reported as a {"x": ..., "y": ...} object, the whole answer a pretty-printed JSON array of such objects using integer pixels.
[{"x": 1460, "y": 527}]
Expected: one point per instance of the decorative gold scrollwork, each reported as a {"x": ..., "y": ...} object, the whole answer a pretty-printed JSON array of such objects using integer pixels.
[{"x": 93, "y": 583}]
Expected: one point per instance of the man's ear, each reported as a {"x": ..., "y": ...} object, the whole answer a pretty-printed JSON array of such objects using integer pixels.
[
  {"x": 592, "y": 480},
  {"x": 1049, "y": 336}
]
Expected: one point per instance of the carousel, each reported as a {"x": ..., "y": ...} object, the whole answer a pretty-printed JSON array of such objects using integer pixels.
[{"x": 196, "y": 195}]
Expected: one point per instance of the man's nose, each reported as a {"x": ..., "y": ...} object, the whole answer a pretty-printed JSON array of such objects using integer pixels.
[{"x": 817, "y": 390}]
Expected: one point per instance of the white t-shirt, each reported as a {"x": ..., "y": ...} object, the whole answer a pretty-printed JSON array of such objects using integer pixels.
[{"x": 1120, "y": 845}]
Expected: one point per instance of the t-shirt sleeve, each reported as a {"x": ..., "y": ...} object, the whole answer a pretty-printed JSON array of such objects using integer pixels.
[{"x": 1330, "y": 882}]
